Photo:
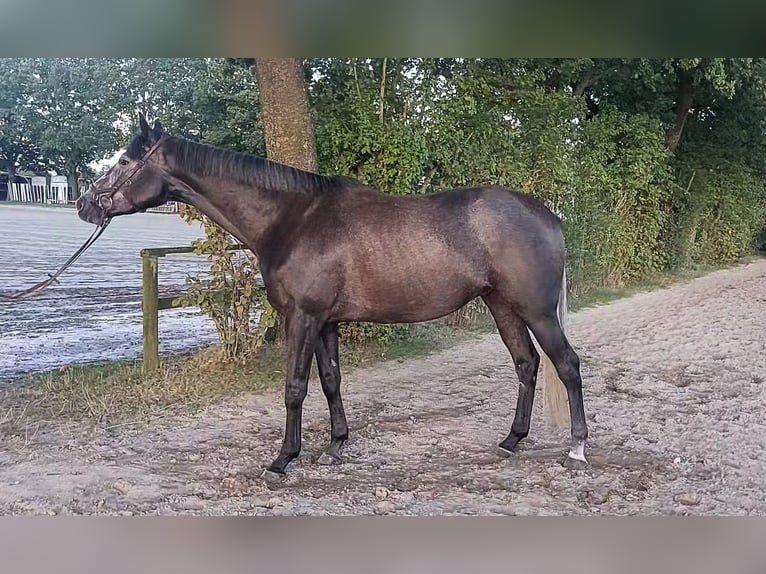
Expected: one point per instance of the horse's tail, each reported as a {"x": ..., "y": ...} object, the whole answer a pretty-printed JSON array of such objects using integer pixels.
[{"x": 555, "y": 398}]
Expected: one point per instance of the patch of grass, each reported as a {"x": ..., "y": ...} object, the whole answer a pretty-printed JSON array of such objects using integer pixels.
[
  {"x": 116, "y": 393},
  {"x": 419, "y": 340},
  {"x": 15, "y": 419}
]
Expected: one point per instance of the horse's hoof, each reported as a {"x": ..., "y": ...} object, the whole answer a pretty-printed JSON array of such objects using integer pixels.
[
  {"x": 509, "y": 444},
  {"x": 576, "y": 457},
  {"x": 574, "y": 462},
  {"x": 327, "y": 459},
  {"x": 503, "y": 452},
  {"x": 273, "y": 477}
]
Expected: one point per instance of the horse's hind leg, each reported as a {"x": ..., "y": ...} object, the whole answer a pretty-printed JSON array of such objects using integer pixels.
[
  {"x": 516, "y": 337},
  {"x": 329, "y": 374},
  {"x": 554, "y": 344}
]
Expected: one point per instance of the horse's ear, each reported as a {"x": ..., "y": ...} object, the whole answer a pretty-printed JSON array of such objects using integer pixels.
[
  {"x": 144, "y": 125},
  {"x": 158, "y": 129}
]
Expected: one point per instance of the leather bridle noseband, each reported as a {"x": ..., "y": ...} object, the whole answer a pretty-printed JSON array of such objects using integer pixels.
[{"x": 108, "y": 192}]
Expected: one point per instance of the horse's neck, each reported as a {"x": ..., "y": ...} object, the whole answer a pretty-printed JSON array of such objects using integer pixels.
[{"x": 249, "y": 214}]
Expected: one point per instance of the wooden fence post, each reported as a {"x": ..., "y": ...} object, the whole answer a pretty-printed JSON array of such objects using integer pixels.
[
  {"x": 150, "y": 310},
  {"x": 152, "y": 303}
]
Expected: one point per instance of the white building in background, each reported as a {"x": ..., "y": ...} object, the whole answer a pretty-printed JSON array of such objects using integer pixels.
[
  {"x": 53, "y": 189},
  {"x": 58, "y": 192},
  {"x": 38, "y": 191}
]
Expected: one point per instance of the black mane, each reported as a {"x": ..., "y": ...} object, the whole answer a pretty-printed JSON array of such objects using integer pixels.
[{"x": 207, "y": 160}]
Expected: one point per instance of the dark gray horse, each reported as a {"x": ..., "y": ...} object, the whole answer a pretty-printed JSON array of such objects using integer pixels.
[{"x": 334, "y": 250}]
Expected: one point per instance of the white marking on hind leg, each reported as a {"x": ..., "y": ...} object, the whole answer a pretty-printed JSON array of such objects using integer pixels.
[{"x": 577, "y": 452}]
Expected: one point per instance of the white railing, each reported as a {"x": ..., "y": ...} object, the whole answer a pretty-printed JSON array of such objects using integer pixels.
[
  {"x": 170, "y": 207},
  {"x": 25, "y": 193},
  {"x": 21, "y": 192},
  {"x": 58, "y": 194}
]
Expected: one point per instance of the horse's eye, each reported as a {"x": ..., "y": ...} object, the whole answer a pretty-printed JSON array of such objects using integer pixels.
[{"x": 124, "y": 162}]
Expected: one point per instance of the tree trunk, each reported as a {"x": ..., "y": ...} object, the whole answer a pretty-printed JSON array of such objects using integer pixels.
[
  {"x": 684, "y": 102},
  {"x": 11, "y": 169},
  {"x": 382, "y": 90},
  {"x": 287, "y": 126},
  {"x": 73, "y": 183}
]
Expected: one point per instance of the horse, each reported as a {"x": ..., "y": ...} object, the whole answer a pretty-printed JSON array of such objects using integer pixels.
[{"x": 334, "y": 250}]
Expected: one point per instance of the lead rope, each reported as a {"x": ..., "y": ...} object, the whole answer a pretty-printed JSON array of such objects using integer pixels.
[{"x": 53, "y": 278}]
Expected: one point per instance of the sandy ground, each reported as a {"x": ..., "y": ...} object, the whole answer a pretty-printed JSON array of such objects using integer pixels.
[{"x": 674, "y": 392}]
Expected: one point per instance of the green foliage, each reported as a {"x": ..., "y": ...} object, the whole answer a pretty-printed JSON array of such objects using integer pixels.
[
  {"x": 618, "y": 213},
  {"x": 17, "y": 151},
  {"x": 725, "y": 217},
  {"x": 212, "y": 100},
  {"x": 377, "y": 332},
  {"x": 229, "y": 296},
  {"x": 62, "y": 111},
  {"x": 353, "y": 138}
]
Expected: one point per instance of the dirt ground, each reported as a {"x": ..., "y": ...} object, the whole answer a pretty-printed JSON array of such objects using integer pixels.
[{"x": 674, "y": 393}]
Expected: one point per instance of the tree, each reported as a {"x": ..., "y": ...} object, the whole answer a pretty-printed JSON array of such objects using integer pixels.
[
  {"x": 287, "y": 125},
  {"x": 17, "y": 151},
  {"x": 70, "y": 106}
]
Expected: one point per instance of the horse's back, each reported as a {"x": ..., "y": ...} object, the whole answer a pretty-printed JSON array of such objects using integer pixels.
[
  {"x": 443, "y": 206},
  {"x": 478, "y": 222}
]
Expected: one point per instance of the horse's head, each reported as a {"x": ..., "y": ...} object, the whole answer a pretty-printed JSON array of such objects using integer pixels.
[{"x": 135, "y": 183}]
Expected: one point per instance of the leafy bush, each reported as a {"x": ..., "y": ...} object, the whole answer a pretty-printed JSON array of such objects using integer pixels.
[{"x": 230, "y": 296}]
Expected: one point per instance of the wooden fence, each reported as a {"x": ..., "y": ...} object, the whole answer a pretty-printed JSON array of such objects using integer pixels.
[{"x": 152, "y": 303}]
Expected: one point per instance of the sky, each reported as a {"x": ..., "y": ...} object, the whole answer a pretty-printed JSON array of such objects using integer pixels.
[{"x": 97, "y": 166}]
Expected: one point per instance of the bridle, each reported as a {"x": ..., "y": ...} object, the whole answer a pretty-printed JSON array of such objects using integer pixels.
[
  {"x": 101, "y": 195},
  {"x": 104, "y": 196}
]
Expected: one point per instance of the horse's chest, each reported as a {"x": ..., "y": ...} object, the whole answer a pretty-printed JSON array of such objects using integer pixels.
[
  {"x": 301, "y": 286},
  {"x": 276, "y": 293}
]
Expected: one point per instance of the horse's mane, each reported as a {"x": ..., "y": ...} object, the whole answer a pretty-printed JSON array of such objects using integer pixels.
[{"x": 207, "y": 160}]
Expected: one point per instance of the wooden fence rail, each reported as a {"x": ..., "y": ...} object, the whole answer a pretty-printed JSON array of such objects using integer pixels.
[{"x": 152, "y": 303}]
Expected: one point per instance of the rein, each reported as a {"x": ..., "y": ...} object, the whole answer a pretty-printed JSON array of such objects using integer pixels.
[
  {"x": 101, "y": 196},
  {"x": 52, "y": 278}
]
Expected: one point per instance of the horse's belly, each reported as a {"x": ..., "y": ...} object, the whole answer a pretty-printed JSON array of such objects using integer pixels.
[
  {"x": 411, "y": 272},
  {"x": 411, "y": 299}
]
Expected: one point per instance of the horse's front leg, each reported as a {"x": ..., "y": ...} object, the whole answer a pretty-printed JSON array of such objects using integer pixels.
[{"x": 302, "y": 335}]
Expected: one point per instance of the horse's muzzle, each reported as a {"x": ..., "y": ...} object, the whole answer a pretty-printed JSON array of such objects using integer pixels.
[{"x": 89, "y": 209}]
